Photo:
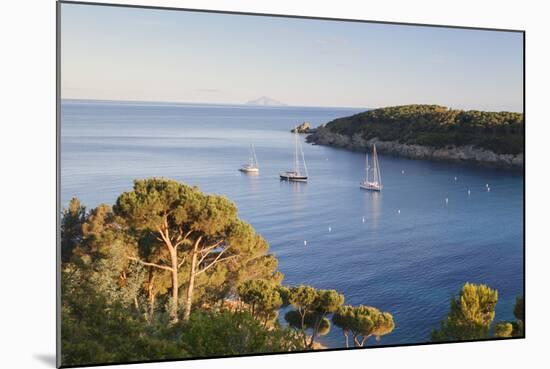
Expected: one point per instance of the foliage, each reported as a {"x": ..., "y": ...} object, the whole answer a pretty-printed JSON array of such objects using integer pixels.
[
  {"x": 294, "y": 319},
  {"x": 470, "y": 316},
  {"x": 118, "y": 278},
  {"x": 180, "y": 229},
  {"x": 503, "y": 329},
  {"x": 363, "y": 322},
  {"x": 519, "y": 313},
  {"x": 437, "y": 126},
  {"x": 226, "y": 333},
  {"x": 72, "y": 219},
  {"x": 284, "y": 292},
  {"x": 96, "y": 330},
  {"x": 262, "y": 297},
  {"x": 311, "y": 309},
  {"x": 519, "y": 308}
]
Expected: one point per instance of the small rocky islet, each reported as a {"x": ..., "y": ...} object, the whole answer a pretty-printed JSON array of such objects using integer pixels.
[{"x": 305, "y": 127}]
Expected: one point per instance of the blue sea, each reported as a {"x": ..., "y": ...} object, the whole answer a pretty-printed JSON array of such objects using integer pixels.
[{"x": 404, "y": 250}]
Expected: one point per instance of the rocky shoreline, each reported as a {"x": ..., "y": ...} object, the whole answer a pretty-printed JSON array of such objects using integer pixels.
[{"x": 470, "y": 154}]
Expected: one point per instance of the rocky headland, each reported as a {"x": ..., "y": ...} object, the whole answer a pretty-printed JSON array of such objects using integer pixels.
[{"x": 430, "y": 132}]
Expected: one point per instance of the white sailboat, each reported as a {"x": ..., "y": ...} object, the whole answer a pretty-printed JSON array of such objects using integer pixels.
[
  {"x": 297, "y": 174},
  {"x": 376, "y": 183},
  {"x": 252, "y": 165}
]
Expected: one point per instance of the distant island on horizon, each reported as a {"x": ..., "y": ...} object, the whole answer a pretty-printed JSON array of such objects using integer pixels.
[
  {"x": 265, "y": 101},
  {"x": 251, "y": 103},
  {"x": 190, "y": 103}
]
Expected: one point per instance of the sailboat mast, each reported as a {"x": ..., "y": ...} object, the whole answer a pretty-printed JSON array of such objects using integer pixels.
[
  {"x": 367, "y": 166},
  {"x": 254, "y": 158},
  {"x": 378, "y": 169},
  {"x": 376, "y": 166},
  {"x": 296, "y": 163},
  {"x": 303, "y": 159}
]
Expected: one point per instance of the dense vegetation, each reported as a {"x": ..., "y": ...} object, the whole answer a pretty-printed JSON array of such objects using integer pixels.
[
  {"x": 437, "y": 126},
  {"x": 471, "y": 316},
  {"x": 170, "y": 272}
]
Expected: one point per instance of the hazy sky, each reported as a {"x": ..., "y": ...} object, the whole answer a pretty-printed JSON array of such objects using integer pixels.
[{"x": 159, "y": 55}]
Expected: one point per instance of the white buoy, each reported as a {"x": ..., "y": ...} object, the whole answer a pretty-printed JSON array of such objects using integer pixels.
[
  {"x": 446, "y": 200},
  {"x": 487, "y": 185},
  {"x": 399, "y": 211},
  {"x": 488, "y": 189},
  {"x": 402, "y": 172},
  {"x": 363, "y": 219},
  {"x": 305, "y": 243},
  {"x": 330, "y": 229},
  {"x": 456, "y": 178},
  {"x": 469, "y": 192}
]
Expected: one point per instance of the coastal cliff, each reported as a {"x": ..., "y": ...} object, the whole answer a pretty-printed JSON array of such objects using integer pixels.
[{"x": 430, "y": 132}]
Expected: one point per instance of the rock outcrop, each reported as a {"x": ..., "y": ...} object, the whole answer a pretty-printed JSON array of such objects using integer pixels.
[
  {"x": 303, "y": 128},
  {"x": 324, "y": 136}
]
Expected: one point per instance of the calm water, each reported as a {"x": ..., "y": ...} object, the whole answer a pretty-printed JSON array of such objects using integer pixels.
[{"x": 408, "y": 263}]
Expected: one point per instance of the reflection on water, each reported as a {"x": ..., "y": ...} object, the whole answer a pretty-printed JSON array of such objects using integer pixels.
[
  {"x": 295, "y": 187},
  {"x": 251, "y": 180},
  {"x": 298, "y": 202},
  {"x": 372, "y": 201}
]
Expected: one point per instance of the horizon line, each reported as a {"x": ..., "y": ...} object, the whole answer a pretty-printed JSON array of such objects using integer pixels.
[
  {"x": 211, "y": 103},
  {"x": 363, "y": 108}
]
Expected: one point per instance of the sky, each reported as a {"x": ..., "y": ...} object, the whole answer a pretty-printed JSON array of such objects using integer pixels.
[{"x": 120, "y": 53}]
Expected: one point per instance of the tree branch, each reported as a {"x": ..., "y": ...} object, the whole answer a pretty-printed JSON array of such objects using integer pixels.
[
  {"x": 195, "y": 246},
  {"x": 149, "y": 264},
  {"x": 181, "y": 262},
  {"x": 212, "y": 246},
  {"x": 161, "y": 233},
  {"x": 209, "y": 249},
  {"x": 216, "y": 261},
  {"x": 181, "y": 239}
]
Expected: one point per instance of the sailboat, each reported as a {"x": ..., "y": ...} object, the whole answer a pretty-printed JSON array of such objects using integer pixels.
[
  {"x": 296, "y": 175},
  {"x": 376, "y": 183},
  {"x": 252, "y": 165}
]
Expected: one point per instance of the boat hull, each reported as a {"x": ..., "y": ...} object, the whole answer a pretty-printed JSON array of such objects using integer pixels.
[
  {"x": 370, "y": 187},
  {"x": 249, "y": 170},
  {"x": 292, "y": 177}
]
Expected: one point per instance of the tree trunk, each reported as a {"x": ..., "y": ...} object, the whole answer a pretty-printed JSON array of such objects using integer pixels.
[
  {"x": 152, "y": 307},
  {"x": 312, "y": 340},
  {"x": 364, "y": 340},
  {"x": 189, "y": 296},
  {"x": 303, "y": 316},
  {"x": 346, "y": 334},
  {"x": 316, "y": 328},
  {"x": 151, "y": 296},
  {"x": 175, "y": 285}
]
